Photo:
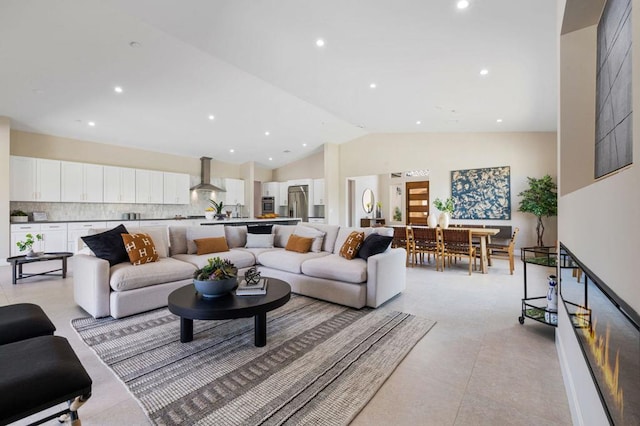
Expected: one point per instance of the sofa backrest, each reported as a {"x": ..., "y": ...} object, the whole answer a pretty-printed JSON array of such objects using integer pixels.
[
  {"x": 181, "y": 237},
  {"x": 344, "y": 232},
  {"x": 330, "y": 234},
  {"x": 282, "y": 234},
  {"x": 158, "y": 234}
]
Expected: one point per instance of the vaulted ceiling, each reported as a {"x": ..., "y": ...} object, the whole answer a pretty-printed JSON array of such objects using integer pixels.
[{"x": 204, "y": 77}]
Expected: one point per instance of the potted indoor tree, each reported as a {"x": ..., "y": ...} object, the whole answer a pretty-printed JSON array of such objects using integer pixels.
[
  {"x": 27, "y": 245},
  {"x": 217, "y": 278},
  {"x": 541, "y": 200},
  {"x": 446, "y": 208}
]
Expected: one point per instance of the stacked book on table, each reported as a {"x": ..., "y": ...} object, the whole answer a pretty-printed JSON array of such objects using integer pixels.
[{"x": 251, "y": 289}]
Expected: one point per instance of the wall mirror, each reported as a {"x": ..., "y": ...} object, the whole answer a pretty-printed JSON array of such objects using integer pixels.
[{"x": 368, "y": 200}]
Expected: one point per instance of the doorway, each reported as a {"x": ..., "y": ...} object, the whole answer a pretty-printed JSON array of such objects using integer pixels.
[{"x": 417, "y": 202}]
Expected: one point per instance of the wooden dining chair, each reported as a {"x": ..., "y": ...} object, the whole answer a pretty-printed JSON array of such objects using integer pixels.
[
  {"x": 504, "y": 251},
  {"x": 399, "y": 236},
  {"x": 457, "y": 243},
  {"x": 411, "y": 246},
  {"x": 427, "y": 244}
]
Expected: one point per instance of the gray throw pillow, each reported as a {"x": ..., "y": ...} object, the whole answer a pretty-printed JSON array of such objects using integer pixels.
[{"x": 259, "y": 241}]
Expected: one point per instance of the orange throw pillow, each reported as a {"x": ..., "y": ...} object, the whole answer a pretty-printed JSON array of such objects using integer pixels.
[
  {"x": 299, "y": 244},
  {"x": 350, "y": 248},
  {"x": 211, "y": 245},
  {"x": 140, "y": 248}
]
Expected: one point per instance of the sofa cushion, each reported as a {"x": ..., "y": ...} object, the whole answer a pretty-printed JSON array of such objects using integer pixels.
[
  {"x": 160, "y": 238},
  {"x": 330, "y": 234},
  {"x": 299, "y": 244},
  {"x": 259, "y": 240},
  {"x": 140, "y": 248},
  {"x": 350, "y": 248},
  {"x": 374, "y": 244},
  {"x": 125, "y": 276},
  {"x": 236, "y": 236},
  {"x": 308, "y": 232},
  {"x": 239, "y": 257},
  {"x": 334, "y": 267},
  {"x": 196, "y": 232},
  {"x": 211, "y": 245},
  {"x": 108, "y": 245},
  {"x": 282, "y": 233},
  {"x": 177, "y": 240},
  {"x": 289, "y": 261}
]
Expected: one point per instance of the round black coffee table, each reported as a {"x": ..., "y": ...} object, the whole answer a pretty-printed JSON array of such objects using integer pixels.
[{"x": 189, "y": 305}]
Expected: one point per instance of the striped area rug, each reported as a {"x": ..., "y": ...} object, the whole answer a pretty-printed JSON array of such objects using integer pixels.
[{"x": 321, "y": 365}]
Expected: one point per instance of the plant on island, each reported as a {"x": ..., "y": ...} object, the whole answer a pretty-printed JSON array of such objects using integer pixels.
[
  {"x": 27, "y": 245},
  {"x": 541, "y": 199},
  {"x": 217, "y": 206},
  {"x": 215, "y": 270}
]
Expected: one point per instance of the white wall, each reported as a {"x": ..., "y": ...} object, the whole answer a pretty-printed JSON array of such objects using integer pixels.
[
  {"x": 5, "y": 230},
  {"x": 528, "y": 154},
  {"x": 598, "y": 220}
]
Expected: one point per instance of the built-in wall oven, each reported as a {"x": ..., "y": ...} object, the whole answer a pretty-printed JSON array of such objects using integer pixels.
[{"x": 268, "y": 205}]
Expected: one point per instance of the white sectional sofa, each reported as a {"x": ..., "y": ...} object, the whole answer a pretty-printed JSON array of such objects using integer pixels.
[{"x": 125, "y": 289}]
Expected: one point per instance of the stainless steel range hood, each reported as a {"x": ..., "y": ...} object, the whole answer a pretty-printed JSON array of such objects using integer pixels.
[{"x": 205, "y": 177}]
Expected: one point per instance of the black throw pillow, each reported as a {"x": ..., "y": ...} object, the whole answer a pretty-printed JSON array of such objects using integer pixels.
[
  {"x": 109, "y": 245},
  {"x": 259, "y": 229},
  {"x": 374, "y": 244}
]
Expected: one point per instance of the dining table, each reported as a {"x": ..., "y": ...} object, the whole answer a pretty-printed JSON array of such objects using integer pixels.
[{"x": 483, "y": 235}]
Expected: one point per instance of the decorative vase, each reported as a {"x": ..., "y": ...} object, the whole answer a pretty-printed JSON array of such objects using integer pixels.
[
  {"x": 211, "y": 289},
  {"x": 432, "y": 221},
  {"x": 378, "y": 213},
  {"x": 443, "y": 220},
  {"x": 551, "y": 313}
]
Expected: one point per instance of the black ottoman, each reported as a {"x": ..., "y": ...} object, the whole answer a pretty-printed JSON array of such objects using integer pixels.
[
  {"x": 23, "y": 321},
  {"x": 39, "y": 373}
]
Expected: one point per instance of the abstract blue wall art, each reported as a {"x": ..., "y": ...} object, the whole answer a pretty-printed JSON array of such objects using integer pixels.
[{"x": 482, "y": 193}]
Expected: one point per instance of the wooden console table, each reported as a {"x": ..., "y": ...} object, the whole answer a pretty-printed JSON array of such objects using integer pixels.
[{"x": 367, "y": 222}]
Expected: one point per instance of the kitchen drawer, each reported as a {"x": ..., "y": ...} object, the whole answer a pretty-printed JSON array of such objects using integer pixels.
[
  {"x": 74, "y": 226},
  {"x": 25, "y": 227},
  {"x": 53, "y": 227}
]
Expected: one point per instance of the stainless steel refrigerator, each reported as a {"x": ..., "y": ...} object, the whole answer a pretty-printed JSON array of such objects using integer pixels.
[{"x": 299, "y": 202}]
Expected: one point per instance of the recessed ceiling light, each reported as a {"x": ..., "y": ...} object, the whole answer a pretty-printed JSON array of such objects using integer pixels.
[
  {"x": 117, "y": 89},
  {"x": 320, "y": 42},
  {"x": 373, "y": 85},
  {"x": 211, "y": 117},
  {"x": 462, "y": 4},
  {"x": 266, "y": 133},
  {"x": 304, "y": 144},
  {"x": 484, "y": 71},
  {"x": 91, "y": 123},
  {"x": 270, "y": 158},
  {"x": 499, "y": 120},
  {"x": 232, "y": 150},
  {"x": 418, "y": 122},
  {"x": 134, "y": 44}
]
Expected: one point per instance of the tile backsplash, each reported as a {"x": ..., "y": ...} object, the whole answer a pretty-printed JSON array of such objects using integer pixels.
[{"x": 107, "y": 211}]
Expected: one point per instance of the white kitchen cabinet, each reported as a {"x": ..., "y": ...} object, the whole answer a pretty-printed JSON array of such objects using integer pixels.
[
  {"x": 318, "y": 192},
  {"x": 149, "y": 187},
  {"x": 54, "y": 237},
  {"x": 270, "y": 189},
  {"x": 119, "y": 185},
  {"x": 81, "y": 182},
  {"x": 19, "y": 233},
  {"x": 283, "y": 188},
  {"x": 75, "y": 230},
  {"x": 34, "y": 179},
  {"x": 235, "y": 192},
  {"x": 176, "y": 188}
]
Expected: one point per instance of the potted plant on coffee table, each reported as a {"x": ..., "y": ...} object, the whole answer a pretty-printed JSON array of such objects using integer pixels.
[
  {"x": 27, "y": 245},
  {"x": 217, "y": 278}
]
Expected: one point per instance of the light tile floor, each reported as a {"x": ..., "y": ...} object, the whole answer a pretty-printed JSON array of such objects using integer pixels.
[{"x": 477, "y": 365}]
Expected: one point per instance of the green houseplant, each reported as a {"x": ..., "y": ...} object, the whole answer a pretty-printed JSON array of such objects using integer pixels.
[
  {"x": 217, "y": 278},
  {"x": 218, "y": 207},
  {"x": 19, "y": 216},
  {"x": 27, "y": 245},
  {"x": 540, "y": 199}
]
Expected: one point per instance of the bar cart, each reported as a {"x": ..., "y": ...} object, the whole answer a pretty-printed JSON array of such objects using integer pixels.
[{"x": 535, "y": 307}]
